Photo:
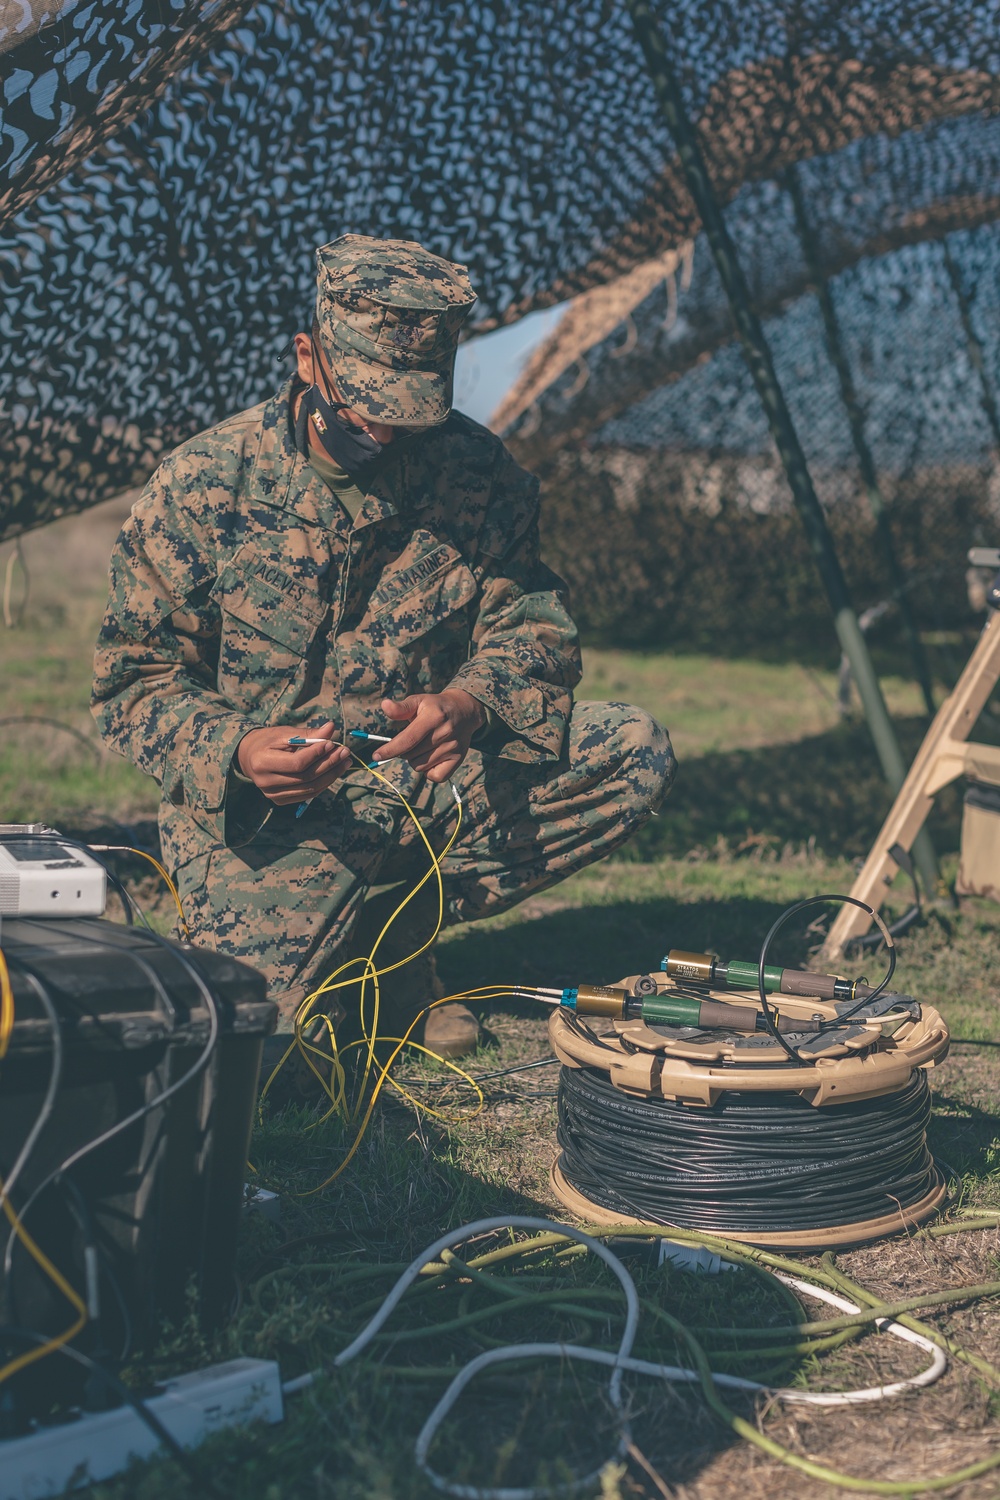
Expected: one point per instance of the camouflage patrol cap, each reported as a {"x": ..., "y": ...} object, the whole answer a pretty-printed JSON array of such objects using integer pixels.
[{"x": 389, "y": 314}]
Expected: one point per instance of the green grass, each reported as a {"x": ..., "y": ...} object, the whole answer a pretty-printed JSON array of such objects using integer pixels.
[
  {"x": 719, "y": 704},
  {"x": 46, "y": 772},
  {"x": 775, "y": 799}
]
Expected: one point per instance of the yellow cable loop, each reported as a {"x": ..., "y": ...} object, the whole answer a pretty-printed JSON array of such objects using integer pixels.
[
  {"x": 334, "y": 982},
  {"x": 418, "y": 1103},
  {"x": 160, "y": 870},
  {"x": 6, "y": 1006},
  {"x": 382, "y": 1076},
  {"x": 484, "y": 992},
  {"x": 336, "y": 1090},
  {"x": 164, "y": 876},
  {"x": 376, "y": 974},
  {"x": 55, "y": 1275}
]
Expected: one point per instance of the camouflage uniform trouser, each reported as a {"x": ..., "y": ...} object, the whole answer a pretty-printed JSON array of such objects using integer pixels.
[{"x": 289, "y": 900}]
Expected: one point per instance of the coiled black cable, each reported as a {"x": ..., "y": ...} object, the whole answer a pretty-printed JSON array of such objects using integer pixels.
[{"x": 752, "y": 1163}]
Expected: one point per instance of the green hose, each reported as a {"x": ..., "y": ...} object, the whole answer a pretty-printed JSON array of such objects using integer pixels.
[
  {"x": 860, "y": 1294},
  {"x": 830, "y": 1276},
  {"x": 800, "y": 1338}
]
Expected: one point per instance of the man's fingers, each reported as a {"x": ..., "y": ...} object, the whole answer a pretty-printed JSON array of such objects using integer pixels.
[
  {"x": 401, "y": 708},
  {"x": 272, "y": 767},
  {"x": 438, "y": 731},
  {"x": 432, "y": 754},
  {"x": 450, "y": 752},
  {"x": 301, "y": 764},
  {"x": 295, "y": 782},
  {"x": 323, "y": 780},
  {"x": 304, "y": 791},
  {"x": 410, "y": 741},
  {"x": 446, "y": 769}
]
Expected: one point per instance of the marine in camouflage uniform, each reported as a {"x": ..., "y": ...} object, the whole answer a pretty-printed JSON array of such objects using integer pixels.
[{"x": 243, "y": 594}]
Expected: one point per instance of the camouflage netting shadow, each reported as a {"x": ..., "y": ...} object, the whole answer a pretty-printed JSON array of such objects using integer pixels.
[{"x": 150, "y": 290}]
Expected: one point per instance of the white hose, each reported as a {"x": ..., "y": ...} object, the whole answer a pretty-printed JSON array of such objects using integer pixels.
[
  {"x": 936, "y": 1368},
  {"x": 451, "y": 1395},
  {"x": 618, "y": 1362}
]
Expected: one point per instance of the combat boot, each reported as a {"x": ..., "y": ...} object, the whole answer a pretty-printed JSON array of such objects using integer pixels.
[{"x": 451, "y": 1031}]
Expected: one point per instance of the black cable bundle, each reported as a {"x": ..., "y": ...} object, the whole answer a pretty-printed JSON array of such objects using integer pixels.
[{"x": 753, "y": 1163}]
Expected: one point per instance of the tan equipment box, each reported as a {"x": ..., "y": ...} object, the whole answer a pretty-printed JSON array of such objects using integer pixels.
[{"x": 979, "y": 861}]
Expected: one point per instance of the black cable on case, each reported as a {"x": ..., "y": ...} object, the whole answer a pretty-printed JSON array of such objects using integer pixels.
[
  {"x": 55, "y": 1078},
  {"x": 779, "y": 922},
  {"x": 44, "y": 1112},
  {"x": 197, "y": 1067}
]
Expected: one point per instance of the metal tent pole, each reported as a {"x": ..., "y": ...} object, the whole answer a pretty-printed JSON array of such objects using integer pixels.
[
  {"x": 856, "y": 422},
  {"x": 758, "y": 357}
]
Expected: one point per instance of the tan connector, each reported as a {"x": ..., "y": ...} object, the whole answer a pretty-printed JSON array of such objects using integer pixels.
[
  {"x": 696, "y": 967},
  {"x": 601, "y": 1000}
]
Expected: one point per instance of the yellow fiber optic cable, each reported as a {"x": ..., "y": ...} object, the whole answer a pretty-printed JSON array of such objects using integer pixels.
[
  {"x": 56, "y": 1277},
  {"x": 171, "y": 887},
  {"x": 161, "y": 871},
  {"x": 418, "y": 1104},
  {"x": 435, "y": 870},
  {"x": 375, "y": 974},
  {"x": 336, "y": 1089},
  {"x": 337, "y": 1093},
  {"x": 335, "y": 982},
  {"x": 484, "y": 992},
  {"x": 382, "y": 1076},
  {"x": 6, "y": 1006}
]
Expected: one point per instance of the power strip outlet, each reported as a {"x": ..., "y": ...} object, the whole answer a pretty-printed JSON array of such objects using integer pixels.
[{"x": 97, "y": 1445}]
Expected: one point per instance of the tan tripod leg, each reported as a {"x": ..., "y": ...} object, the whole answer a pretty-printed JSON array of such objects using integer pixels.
[{"x": 943, "y": 755}]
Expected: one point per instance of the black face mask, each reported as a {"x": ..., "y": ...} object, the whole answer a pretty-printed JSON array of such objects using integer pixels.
[{"x": 350, "y": 448}]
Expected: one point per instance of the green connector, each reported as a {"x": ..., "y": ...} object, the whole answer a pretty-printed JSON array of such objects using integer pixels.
[
  {"x": 739, "y": 974},
  {"x": 671, "y": 1010}
]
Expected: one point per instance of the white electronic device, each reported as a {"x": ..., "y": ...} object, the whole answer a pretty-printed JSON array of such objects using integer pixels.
[{"x": 44, "y": 875}]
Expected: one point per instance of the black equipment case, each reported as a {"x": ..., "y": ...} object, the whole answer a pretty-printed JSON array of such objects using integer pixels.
[{"x": 161, "y": 1200}]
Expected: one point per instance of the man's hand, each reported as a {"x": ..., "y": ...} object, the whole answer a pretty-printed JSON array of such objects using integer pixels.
[
  {"x": 439, "y": 729},
  {"x": 285, "y": 774}
]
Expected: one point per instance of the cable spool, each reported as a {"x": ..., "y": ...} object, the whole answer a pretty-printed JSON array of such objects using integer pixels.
[{"x": 718, "y": 1130}]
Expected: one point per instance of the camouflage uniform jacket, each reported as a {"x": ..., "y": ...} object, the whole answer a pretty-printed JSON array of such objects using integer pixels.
[{"x": 242, "y": 594}]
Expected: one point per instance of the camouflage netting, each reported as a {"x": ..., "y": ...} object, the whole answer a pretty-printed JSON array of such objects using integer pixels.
[
  {"x": 644, "y": 420},
  {"x": 75, "y": 73},
  {"x": 150, "y": 290}
]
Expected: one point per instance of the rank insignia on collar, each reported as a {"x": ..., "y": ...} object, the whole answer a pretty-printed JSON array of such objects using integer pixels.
[{"x": 318, "y": 422}]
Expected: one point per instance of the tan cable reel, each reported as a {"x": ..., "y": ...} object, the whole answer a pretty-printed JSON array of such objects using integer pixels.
[{"x": 867, "y": 1058}]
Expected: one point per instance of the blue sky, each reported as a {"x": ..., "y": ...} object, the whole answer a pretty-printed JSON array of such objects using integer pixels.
[{"x": 488, "y": 366}]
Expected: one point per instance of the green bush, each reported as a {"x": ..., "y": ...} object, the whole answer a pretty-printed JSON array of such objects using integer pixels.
[{"x": 690, "y": 551}]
